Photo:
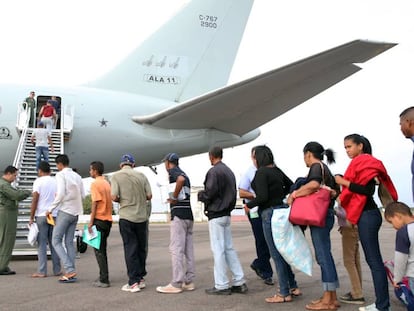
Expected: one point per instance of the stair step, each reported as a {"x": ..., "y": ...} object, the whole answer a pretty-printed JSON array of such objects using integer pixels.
[{"x": 26, "y": 175}]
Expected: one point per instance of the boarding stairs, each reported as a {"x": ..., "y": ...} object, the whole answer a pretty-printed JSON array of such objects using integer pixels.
[{"x": 25, "y": 161}]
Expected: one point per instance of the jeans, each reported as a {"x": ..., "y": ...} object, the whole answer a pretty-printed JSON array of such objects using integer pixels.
[
  {"x": 262, "y": 262},
  {"x": 411, "y": 284},
  {"x": 101, "y": 256},
  {"x": 134, "y": 237},
  {"x": 65, "y": 226},
  {"x": 368, "y": 226},
  {"x": 41, "y": 152},
  {"x": 182, "y": 251},
  {"x": 285, "y": 276},
  {"x": 352, "y": 261},
  {"x": 44, "y": 238},
  {"x": 224, "y": 253},
  {"x": 321, "y": 241}
]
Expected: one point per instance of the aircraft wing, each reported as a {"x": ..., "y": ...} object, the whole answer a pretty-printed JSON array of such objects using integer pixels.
[{"x": 244, "y": 106}]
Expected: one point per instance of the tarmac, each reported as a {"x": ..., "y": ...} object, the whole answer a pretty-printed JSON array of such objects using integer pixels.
[{"x": 21, "y": 292}]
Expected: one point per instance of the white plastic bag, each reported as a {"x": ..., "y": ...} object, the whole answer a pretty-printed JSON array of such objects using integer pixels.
[
  {"x": 291, "y": 242},
  {"x": 181, "y": 195},
  {"x": 33, "y": 232}
]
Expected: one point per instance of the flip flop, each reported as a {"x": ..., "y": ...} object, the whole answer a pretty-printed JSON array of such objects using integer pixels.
[
  {"x": 295, "y": 292},
  {"x": 316, "y": 301},
  {"x": 70, "y": 275},
  {"x": 38, "y": 275},
  {"x": 65, "y": 279},
  {"x": 321, "y": 306}
]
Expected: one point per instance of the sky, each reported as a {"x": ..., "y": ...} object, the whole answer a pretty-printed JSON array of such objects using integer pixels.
[{"x": 70, "y": 43}]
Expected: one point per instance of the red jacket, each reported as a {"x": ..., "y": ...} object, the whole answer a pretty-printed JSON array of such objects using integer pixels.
[{"x": 361, "y": 170}]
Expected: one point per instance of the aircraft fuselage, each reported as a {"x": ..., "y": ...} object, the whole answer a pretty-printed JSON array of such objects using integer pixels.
[{"x": 103, "y": 129}]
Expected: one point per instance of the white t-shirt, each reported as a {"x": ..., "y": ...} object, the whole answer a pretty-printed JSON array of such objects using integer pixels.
[
  {"x": 41, "y": 135},
  {"x": 46, "y": 187}
]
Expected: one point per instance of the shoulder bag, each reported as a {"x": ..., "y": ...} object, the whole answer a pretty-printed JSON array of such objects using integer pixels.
[{"x": 311, "y": 210}]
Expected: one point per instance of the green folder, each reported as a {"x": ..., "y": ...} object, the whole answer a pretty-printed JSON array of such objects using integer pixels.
[{"x": 93, "y": 239}]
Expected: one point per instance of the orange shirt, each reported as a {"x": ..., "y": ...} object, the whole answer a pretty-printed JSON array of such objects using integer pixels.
[{"x": 101, "y": 193}]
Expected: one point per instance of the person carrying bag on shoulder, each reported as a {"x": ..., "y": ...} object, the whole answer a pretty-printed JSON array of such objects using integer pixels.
[{"x": 319, "y": 175}]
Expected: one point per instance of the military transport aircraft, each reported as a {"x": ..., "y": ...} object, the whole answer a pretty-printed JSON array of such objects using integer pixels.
[{"x": 171, "y": 94}]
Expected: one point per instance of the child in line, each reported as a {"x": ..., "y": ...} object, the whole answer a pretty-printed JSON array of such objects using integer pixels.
[{"x": 401, "y": 218}]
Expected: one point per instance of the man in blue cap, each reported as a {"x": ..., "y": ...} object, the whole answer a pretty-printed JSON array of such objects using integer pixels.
[{"x": 132, "y": 190}]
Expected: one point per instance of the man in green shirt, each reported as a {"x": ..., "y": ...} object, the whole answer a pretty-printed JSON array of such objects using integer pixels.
[
  {"x": 132, "y": 190},
  {"x": 9, "y": 198},
  {"x": 31, "y": 104}
]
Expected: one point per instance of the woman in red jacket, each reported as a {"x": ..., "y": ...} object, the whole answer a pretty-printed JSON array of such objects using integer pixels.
[{"x": 358, "y": 187}]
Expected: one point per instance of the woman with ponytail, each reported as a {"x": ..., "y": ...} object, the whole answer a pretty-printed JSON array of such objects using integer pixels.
[{"x": 318, "y": 175}]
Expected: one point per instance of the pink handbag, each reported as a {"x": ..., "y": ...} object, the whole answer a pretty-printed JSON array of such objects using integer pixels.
[{"x": 311, "y": 210}]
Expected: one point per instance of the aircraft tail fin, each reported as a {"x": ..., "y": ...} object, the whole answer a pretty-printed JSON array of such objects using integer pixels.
[{"x": 193, "y": 53}]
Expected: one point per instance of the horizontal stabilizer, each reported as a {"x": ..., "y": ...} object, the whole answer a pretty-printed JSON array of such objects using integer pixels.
[{"x": 246, "y": 105}]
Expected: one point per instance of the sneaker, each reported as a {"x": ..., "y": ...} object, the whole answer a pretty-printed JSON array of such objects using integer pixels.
[
  {"x": 372, "y": 307},
  {"x": 131, "y": 288},
  {"x": 169, "y": 289},
  {"x": 347, "y": 298},
  {"x": 241, "y": 289},
  {"x": 141, "y": 284},
  {"x": 100, "y": 284},
  {"x": 269, "y": 281},
  {"x": 215, "y": 291},
  {"x": 258, "y": 272},
  {"x": 188, "y": 286}
]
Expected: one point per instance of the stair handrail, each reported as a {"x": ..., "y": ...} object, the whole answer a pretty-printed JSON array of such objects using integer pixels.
[
  {"x": 20, "y": 148},
  {"x": 62, "y": 141}
]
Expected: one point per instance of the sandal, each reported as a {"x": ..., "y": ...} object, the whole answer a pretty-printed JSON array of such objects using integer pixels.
[
  {"x": 335, "y": 303},
  {"x": 279, "y": 299},
  {"x": 295, "y": 292},
  {"x": 38, "y": 275},
  {"x": 321, "y": 306},
  {"x": 65, "y": 279},
  {"x": 68, "y": 278},
  {"x": 70, "y": 275}
]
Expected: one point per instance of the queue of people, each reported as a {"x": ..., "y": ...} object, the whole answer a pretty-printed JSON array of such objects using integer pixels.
[{"x": 264, "y": 188}]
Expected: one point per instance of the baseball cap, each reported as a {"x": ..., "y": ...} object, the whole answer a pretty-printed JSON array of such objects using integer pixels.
[
  {"x": 40, "y": 123},
  {"x": 171, "y": 157},
  {"x": 127, "y": 159}
]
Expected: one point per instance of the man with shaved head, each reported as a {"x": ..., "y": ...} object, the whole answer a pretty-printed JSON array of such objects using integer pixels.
[{"x": 407, "y": 128}]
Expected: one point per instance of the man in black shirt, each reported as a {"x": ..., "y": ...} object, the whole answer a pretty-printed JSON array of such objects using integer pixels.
[
  {"x": 181, "y": 232},
  {"x": 219, "y": 197}
]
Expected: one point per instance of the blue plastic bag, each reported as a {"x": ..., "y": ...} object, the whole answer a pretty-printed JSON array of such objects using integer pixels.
[
  {"x": 405, "y": 295},
  {"x": 291, "y": 242}
]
